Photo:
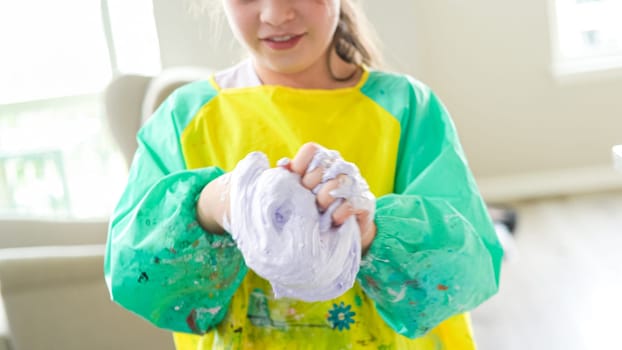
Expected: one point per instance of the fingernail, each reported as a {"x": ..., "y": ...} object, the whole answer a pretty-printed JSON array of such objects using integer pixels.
[{"x": 285, "y": 163}]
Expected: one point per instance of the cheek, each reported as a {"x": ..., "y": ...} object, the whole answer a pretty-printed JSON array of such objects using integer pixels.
[
  {"x": 240, "y": 18},
  {"x": 326, "y": 14},
  {"x": 241, "y": 22},
  {"x": 329, "y": 8}
]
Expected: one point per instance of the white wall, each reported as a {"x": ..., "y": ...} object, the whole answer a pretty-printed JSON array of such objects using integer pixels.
[
  {"x": 187, "y": 38},
  {"x": 524, "y": 133}
]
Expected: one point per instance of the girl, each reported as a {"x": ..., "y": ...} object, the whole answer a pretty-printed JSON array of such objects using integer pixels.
[{"x": 429, "y": 255}]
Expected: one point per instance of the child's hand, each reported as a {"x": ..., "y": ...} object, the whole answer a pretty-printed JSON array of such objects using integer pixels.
[{"x": 310, "y": 180}]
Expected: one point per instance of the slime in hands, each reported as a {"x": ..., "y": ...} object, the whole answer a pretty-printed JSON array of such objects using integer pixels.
[{"x": 283, "y": 236}]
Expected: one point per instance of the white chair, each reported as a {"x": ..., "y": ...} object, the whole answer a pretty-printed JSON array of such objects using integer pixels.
[
  {"x": 51, "y": 272},
  {"x": 54, "y": 292},
  {"x": 56, "y": 298},
  {"x": 132, "y": 99}
]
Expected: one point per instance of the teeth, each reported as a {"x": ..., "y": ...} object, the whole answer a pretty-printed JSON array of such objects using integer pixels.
[{"x": 281, "y": 38}]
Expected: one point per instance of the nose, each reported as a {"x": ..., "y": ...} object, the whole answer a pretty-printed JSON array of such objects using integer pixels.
[{"x": 277, "y": 12}]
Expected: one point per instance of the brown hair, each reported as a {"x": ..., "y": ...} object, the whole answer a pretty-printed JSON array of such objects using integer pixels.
[{"x": 353, "y": 39}]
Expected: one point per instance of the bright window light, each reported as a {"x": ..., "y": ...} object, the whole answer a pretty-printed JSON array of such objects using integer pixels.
[
  {"x": 57, "y": 158},
  {"x": 134, "y": 36},
  {"x": 51, "y": 49},
  {"x": 587, "y": 35}
]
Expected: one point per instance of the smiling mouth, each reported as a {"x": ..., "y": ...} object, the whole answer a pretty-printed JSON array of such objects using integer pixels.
[
  {"x": 282, "y": 42},
  {"x": 280, "y": 39}
]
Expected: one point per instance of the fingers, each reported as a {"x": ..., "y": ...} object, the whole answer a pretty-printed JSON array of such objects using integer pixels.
[
  {"x": 364, "y": 218},
  {"x": 314, "y": 178},
  {"x": 342, "y": 213},
  {"x": 346, "y": 210},
  {"x": 341, "y": 186},
  {"x": 367, "y": 227},
  {"x": 303, "y": 158},
  {"x": 324, "y": 198}
]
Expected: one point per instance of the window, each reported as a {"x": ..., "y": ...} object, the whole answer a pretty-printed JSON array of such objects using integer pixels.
[
  {"x": 57, "y": 158},
  {"x": 587, "y": 35}
]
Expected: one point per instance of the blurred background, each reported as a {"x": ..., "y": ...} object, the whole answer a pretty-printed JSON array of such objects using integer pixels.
[{"x": 534, "y": 87}]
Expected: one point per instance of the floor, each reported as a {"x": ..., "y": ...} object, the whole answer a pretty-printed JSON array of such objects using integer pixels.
[{"x": 562, "y": 289}]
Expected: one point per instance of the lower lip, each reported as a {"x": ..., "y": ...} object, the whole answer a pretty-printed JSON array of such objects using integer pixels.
[{"x": 283, "y": 45}]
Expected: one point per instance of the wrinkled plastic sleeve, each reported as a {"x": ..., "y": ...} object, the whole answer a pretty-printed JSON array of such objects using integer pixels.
[
  {"x": 436, "y": 253},
  {"x": 160, "y": 263}
]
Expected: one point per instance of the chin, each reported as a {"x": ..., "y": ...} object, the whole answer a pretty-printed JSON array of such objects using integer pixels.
[{"x": 289, "y": 65}]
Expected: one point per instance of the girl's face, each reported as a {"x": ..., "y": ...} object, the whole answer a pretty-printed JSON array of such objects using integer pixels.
[{"x": 284, "y": 36}]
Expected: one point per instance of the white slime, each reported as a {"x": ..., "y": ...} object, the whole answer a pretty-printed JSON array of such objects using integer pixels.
[{"x": 285, "y": 239}]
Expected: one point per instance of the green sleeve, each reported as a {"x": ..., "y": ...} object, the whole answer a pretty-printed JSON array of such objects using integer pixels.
[
  {"x": 160, "y": 264},
  {"x": 436, "y": 253}
]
